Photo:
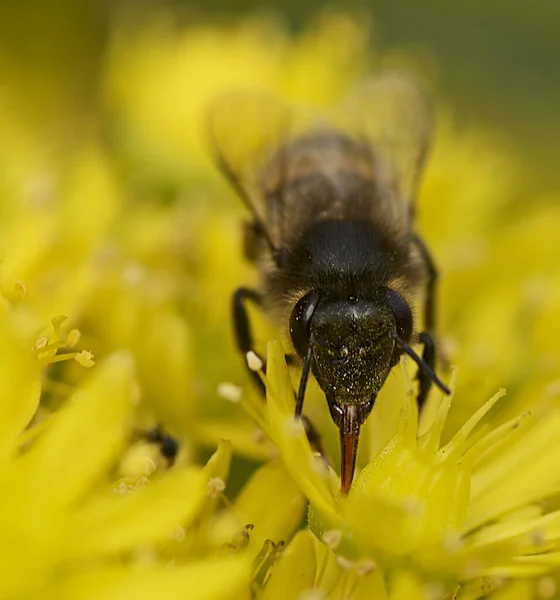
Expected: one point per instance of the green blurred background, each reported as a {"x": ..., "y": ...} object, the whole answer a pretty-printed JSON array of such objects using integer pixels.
[{"x": 496, "y": 62}]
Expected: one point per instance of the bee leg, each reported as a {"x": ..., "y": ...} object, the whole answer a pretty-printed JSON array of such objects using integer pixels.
[
  {"x": 432, "y": 272},
  {"x": 313, "y": 437},
  {"x": 290, "y": 359},
  {"x": 429, "y": 357},
  {"x": 244, "y": 339},
  {"x": 242, "y": 328},
  {"x": 429, "y": 352}
]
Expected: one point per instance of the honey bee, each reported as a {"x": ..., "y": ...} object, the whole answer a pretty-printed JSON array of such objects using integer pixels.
[{"x": 331, "y": 203}]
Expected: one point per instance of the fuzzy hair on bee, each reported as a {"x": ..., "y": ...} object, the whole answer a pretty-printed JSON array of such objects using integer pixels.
[{"x": 331, "y": 202}]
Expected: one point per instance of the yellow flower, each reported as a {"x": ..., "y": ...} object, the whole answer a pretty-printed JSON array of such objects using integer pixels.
[
  {"x": 460, "y": 514},
  {"x": 160, "y": 83},
  {"x": 137, "y": 243},
  {"x": 68, "y": 530},
  {"x": 469, "y": 219}
]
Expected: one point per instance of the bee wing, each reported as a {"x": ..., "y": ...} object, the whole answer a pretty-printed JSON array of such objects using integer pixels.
[
  {"x": 245, "y": 130},
  {"x": 395, "y": 116},
  {"x": 260, "y": 144}
]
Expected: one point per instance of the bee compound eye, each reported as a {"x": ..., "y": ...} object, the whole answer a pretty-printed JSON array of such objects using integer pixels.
[
  {"x": 402, "y": 313},
  {"x": 300, "y": 321}
]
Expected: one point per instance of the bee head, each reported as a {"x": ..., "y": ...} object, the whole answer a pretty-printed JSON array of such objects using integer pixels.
[{"x": 353, "y": 349}]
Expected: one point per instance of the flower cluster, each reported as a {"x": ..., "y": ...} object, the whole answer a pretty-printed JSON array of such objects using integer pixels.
[{"x": 132, "y": 237}]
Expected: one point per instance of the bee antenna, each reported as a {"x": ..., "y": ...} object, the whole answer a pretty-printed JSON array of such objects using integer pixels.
[
  {"x": 420, "y": 362},
  {"x": 304, "y": 378}
]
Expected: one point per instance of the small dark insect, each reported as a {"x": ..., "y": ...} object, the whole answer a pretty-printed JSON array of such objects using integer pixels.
[
  {"x": 168, "y": 444},
  {"x": 332, "y": 205}
]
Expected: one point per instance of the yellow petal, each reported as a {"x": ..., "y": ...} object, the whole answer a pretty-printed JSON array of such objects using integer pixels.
[
  {"x": 82, "y": 439},
  {"x": 370, "y": 586},
  {"x": 359, "y": 582},
  {"x": 20, "y": 386},
  {"x": 521, "y": 473},
  {"x": 249, "y": 441},
  {"x": 480, "y": 588},
  {"x": 405, "y": 586},
  {"x": 214, "y": 579},
  {"x": 273, "y": 503},
  {"x": 328, "y": 571},
  {"x": 294, "y": 572},
  {"x": 118, "y": 522},
  {"x": 164, "y": 367},
  {"x": 90, "y": 203},
  {"x": 417, "y": 502},
  {"x": 216, "y": 469},
  {"x": 519, "y": 590},
  {"x": 305, "y": 468},
  {"x": 220, "y": 461}
]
